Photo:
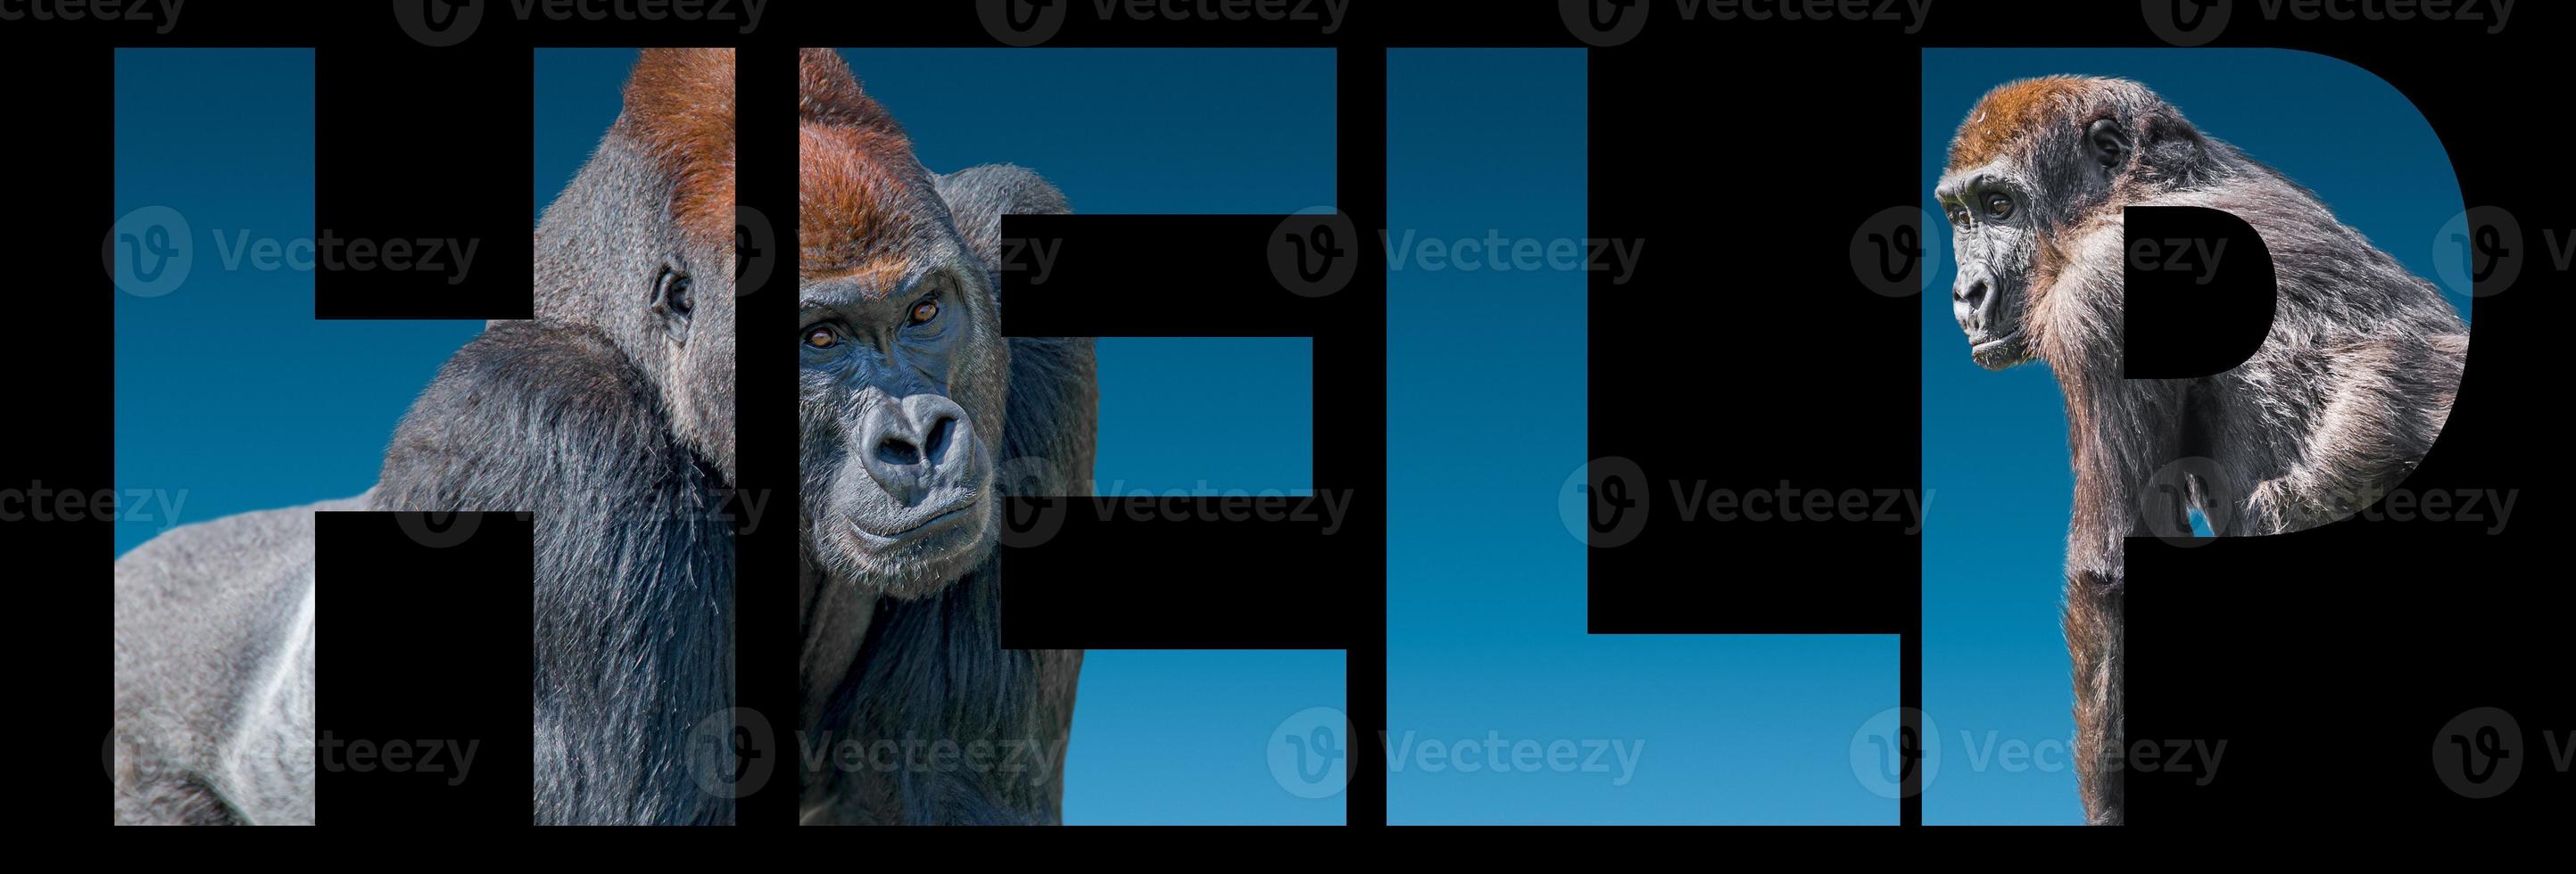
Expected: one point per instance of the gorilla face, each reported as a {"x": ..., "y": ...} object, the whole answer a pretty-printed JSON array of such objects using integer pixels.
[
  {"x": 2012, "y": 200},
  {"x": 904, "y": 376},
  {"x": 1991, "y": 233}
]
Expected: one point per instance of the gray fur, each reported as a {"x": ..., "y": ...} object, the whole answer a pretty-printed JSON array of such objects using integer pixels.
[
  {"x": 214, "y": 672},
  {"x": 2345, "y": 396}
]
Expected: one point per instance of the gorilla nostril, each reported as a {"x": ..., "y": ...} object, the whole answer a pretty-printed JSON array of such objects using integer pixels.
[
  {"x": 935, "y": 447},
  {"x": 1974, "y": 295},
  {"x": 898, "y": 451}
]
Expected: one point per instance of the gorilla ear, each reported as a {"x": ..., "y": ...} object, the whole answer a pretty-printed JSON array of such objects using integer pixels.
[
  {"x": 2107, "y": 142},
  {"x": 978, "y": 198}
]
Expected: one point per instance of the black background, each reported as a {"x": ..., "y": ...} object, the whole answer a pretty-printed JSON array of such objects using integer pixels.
[{"x": 2328, "y": 659}]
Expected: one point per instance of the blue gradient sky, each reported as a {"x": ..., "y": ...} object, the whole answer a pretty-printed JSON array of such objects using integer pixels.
[
  {"x": 1994, "y": 444},
  {"x": 230, "y": 396},
  {"x": 1485, "y": 588}
]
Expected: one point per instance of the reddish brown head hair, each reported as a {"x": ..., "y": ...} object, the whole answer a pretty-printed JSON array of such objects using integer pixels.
[
  {"x": 2010, "y": 110},
  {"x": 679, "y": 108},
  {"x": 863, "y": 197}
]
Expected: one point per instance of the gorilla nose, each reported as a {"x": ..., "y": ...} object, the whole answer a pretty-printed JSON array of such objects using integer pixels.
[
  {"x": 912, "y": 446},
  {"x": 1968, "y": 303},
  {"x": 1974, "y": 295}
]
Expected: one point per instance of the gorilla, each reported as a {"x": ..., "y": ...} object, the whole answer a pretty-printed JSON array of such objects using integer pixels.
[
  {"x": 2346, "y": 394},
  {"x": 917, "y": 420},
  {"x": 610, "y": 416}
]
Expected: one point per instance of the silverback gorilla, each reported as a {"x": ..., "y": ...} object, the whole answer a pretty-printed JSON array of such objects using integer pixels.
[
  {"x": 610, "y": 416},
  {"x": 918, "y": 418},
  {"x": 2345, "y": 396}
]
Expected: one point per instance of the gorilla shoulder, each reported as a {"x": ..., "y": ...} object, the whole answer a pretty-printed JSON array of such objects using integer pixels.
[{"x": 531, "y": 412}]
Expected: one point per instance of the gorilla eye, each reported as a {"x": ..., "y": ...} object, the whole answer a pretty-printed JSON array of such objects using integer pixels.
[
  {"x": 821, "y": 337},
  {"x": 1997, "y": 205},
  {"x": 924, "y": 311}
]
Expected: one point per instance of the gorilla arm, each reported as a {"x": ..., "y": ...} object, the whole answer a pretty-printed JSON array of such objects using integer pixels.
[
  {"x": 214, "y": 672},
  {"x": 634, "y": 559}
]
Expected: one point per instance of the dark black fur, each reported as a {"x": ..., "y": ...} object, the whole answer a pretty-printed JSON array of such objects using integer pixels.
[
  {"x": 933, "y": 669},
  {"x": 634, "y": 583}
]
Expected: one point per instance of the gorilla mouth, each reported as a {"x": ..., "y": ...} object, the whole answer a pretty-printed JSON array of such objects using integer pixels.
[
  {"x": 921, "y": 525},
  {"x": 1997, "y": 353}
]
